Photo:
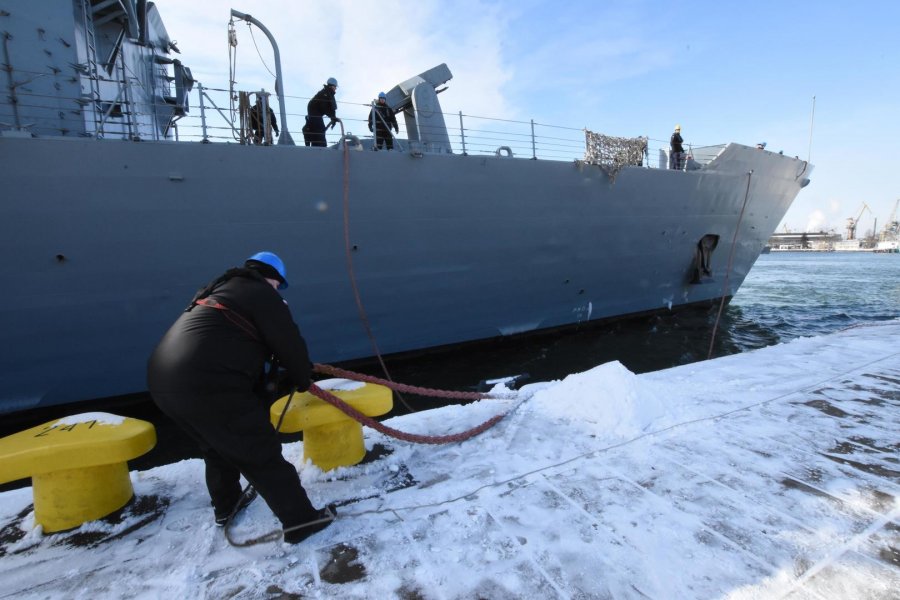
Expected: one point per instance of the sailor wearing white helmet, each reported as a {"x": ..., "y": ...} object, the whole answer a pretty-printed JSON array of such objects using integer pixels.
[
  {"x": 676, "y": 150},
  {"x": 322, "y": 104}
]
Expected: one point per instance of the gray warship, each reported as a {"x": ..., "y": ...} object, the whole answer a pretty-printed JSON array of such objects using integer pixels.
[{"x": 111, "y": 221}]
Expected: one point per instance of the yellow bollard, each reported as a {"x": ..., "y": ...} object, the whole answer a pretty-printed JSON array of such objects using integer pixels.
[
  {"x": 330, "y": 438},
  {"x": 77, "y": 466}
]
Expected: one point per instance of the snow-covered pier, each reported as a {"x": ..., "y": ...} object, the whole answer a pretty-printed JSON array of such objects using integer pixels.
[{"x": 769, "y": 474}]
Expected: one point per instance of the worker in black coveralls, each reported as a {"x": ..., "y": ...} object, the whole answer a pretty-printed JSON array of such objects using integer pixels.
[
  {"x": 676, "y": 150},
  {"x": 322, "y": 104},
  {"x": 257, "y": 126},
  {"x": 207, "y": 374},
  {"x": 382, "y": 116}
]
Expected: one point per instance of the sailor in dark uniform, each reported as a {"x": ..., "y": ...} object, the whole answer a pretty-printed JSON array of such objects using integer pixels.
[
  {"x": 322, "y": 104},
  {"x": 207, "y": 375},
  {"x": 257, "y": 126},
  {"x": 383, "y": 119},
  {"x": 676, "y": 150}
]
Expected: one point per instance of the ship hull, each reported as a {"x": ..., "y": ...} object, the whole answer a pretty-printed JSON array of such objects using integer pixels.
[{"x": 106, "y": 242}]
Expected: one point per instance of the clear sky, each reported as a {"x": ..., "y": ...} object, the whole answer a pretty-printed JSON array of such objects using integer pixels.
[{"x": 726, "y": 71}]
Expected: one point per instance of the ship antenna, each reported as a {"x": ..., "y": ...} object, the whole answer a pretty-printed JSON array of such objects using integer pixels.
[
  {"x": 232, "y": 71},
  {"x": 811, "y": 121}
]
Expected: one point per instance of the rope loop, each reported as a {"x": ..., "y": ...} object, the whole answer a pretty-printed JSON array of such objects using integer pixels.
[
  {"x": 409, "y": 389},
  {"x": 415, "y": 438}
]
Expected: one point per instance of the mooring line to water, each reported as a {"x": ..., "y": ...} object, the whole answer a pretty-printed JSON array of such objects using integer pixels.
[
  {"x": 348, "y": 251},
  {"x": 737, "y": 228}
]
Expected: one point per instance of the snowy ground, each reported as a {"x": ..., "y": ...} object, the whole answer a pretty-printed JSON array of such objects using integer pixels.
[{"x": 768, "y": 474}]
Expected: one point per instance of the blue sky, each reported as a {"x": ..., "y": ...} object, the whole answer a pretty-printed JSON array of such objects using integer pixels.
[{"x": 726, "y": 71}]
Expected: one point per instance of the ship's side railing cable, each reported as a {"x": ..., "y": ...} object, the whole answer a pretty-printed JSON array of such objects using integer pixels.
[{"x": 473, "y": 134}]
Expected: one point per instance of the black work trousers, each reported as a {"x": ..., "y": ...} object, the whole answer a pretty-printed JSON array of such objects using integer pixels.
[
  {"x": 383, "y": 137},
  {"x": 314, "y": 132},
  {"x": 236, "y": 438}
]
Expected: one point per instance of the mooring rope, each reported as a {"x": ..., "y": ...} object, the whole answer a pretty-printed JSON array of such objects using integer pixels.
[
  {"x": 361, "y": 418},
  {"x": 348, "y": 251},
  {"x": 396, "y": 433},
  {"x": 410, "y": 389},
  {"x": 712, "y": 338}
]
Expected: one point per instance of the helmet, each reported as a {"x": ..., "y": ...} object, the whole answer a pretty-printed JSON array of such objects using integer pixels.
[
  {"x": 331, "y": 81},
  {"x": 382, "y": 95},
  {"x": 678, "y": 128},
  {"x": 271, "y": 259}
]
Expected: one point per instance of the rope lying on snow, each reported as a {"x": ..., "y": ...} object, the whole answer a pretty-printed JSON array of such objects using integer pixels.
[
  {"x": 389, "y": 431},
  {"x": 396, "y": 433}
]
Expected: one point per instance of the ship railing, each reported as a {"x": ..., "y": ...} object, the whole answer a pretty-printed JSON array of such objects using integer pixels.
[
  {"x": 212, "y": 118},
  {"x": 468, "y": 134}
]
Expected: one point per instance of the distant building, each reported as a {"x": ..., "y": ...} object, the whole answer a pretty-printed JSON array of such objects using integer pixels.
[{"x": 820, "y": 241}]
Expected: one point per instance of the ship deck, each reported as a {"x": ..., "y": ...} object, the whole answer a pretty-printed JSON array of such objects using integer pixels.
[{"x": 771, "y": 474}]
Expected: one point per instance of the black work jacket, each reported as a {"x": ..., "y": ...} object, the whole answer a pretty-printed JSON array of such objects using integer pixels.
[
  {"x": 256, "y": 121},
  {"x": 225, "y": 349},
  {"x": 322, "y": 104},
  {"x": 384, "y": 119},
  {"x": 675, "y": 142}
]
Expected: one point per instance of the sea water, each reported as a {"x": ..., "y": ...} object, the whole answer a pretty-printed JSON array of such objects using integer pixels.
[{"x": 794, "y": 294}]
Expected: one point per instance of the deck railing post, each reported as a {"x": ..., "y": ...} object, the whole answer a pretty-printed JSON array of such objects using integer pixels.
[
  {"x": 533, "y": 144},
  {"x": 202, "y": 113},
  {"x": 462, "y": 134}
]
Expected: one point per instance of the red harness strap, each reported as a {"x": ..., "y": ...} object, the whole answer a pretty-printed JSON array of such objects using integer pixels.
[{"x": 248, "y": 327}]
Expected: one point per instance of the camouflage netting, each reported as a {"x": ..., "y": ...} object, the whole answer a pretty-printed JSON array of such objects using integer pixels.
[{"x": 612, "y": 153}]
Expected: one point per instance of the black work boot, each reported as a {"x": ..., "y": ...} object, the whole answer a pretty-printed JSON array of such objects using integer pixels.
[
  {"x": 295, "y": 534},
  {"x": 245, "y": 499}
]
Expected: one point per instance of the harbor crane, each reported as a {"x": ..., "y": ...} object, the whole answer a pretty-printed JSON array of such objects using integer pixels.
[
  {"x": 852, "y": 223},
  {"x": 892, "y": 227}
]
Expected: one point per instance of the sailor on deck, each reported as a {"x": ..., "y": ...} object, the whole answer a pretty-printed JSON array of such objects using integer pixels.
[
  {"x": 207, "y": 375},
  {"x": 323, "y": 103},
  {"x": 676, "y": 150},
  {"x": 257, "y": 125},
  {"x": 382, "y": 117}
]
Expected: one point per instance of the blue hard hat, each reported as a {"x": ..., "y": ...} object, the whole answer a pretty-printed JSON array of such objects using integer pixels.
[
  {"x": 271, "y": 259},
  {"x": 331, "y": 81},
  {"x": 382, "y": 95}
]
